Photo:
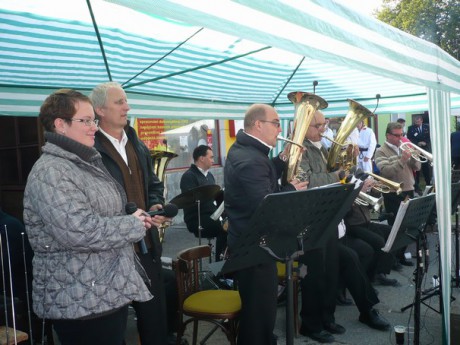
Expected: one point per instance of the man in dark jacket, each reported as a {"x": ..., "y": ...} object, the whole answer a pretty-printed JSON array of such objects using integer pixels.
[
  {"x": 419, "y": 134},
  {"x": 197, "y": 175},
  {"x": 249, "y": 176},
  {"x": 128, "y": 160}
]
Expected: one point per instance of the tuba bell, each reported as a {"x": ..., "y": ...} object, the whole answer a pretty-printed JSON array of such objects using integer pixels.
[
  {"x": 160, "y": 161},
  {"x": 306, "y": 104},
  {"x": 338, "y": 159}
]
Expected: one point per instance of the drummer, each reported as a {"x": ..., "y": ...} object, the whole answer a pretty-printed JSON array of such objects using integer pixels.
[{"x": 198, "y": 175}]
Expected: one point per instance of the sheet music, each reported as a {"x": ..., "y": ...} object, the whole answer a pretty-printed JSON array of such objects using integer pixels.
[{"x": 394, "y": 230}]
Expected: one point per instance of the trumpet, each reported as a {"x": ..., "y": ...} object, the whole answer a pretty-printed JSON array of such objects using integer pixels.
[
  {"x": 416, "y": 152},
  {"x": 364, "y": 199},
  {"x": 384, "y": 185}
]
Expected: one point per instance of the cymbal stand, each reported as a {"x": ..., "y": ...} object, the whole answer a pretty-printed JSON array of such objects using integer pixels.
[
  {"x": 13, "y": 314},
  {"x": 31, "y": 337}
]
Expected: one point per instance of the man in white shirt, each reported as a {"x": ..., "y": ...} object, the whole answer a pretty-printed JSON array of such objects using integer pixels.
[
  {"x": 329, "y": 134},
  {"x": 366, "y": 144}
]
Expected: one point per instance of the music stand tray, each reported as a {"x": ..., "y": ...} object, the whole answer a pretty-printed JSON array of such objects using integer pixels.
[{"x": 287, "y": 224}]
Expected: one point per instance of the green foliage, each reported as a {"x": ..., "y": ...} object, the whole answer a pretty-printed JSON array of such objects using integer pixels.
[{"x": 436, "y": 21}]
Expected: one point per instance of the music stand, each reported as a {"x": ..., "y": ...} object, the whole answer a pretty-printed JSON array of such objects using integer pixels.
[
  {"x": 409, "y": 226},
  {"x": 280, "y": 232}
]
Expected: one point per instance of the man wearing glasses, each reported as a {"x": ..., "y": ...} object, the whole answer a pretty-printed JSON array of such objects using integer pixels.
[{"x": 396, "y": 165}]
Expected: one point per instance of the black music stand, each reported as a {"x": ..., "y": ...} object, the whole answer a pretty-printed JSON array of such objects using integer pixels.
[
  {"x": 285, "y": 225},
  {"x": 412, "y": 218}
]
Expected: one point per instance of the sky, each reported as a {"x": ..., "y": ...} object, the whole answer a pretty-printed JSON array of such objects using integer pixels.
[{"x": 366, "y": 6}]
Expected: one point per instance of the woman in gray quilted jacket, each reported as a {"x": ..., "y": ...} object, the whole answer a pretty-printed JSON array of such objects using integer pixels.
[{"x": 84, "y": 268}]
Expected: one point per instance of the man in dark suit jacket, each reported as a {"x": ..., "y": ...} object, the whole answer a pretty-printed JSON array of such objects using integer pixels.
[{"x": 419, "y": 134}]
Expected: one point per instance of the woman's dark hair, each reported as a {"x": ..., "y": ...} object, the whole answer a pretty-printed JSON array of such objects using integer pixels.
[{"x": 60, "y": 105}]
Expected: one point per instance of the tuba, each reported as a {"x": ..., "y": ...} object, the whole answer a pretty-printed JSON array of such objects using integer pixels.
[
  {"x": 306, "y": 104},
  {"x": 160, "y": 161},
  {"x": 345, "y": 159}
]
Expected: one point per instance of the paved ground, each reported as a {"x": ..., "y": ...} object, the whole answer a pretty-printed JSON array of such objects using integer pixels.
[{"x": 392, "y": 300}]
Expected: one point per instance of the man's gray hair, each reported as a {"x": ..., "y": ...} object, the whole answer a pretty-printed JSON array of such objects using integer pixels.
[
  {"x": 393, "y": 125},
  {"x": 99, "y": 94}
]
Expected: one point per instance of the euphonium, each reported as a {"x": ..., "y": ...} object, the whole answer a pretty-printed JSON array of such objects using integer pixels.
[
  {"x": 160, "y": 162},
  {"x": 416, "y": 152},
  {"x": 306, "y": 104},
  {"x": 345, "y": 161},
  {"x": 384, "y": 185}
]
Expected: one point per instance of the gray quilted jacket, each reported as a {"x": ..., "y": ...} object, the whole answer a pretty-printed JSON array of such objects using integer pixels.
[{"x": 82, "y": 240}]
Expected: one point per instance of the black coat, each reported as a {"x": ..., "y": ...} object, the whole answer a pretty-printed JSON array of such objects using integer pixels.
[
  {"x": 415, "y": 137},
  {"x": 249, "y": 176},
  {"x": 191, "y": 179}
]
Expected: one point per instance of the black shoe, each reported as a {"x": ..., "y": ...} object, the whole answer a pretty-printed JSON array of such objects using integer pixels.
[
  {"x": 405, "y": 262},
  {"x": 383, "y": 280},
  {"x": 321, "y": 337},
  {"x": 334, "y": 328},
  {"x": 374, "y": 320},
  {"x": 397, "y": 267},
  {"x": 172, "y": 337}
]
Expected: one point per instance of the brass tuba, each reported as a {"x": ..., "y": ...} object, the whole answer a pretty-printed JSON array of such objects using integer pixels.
[
  {"x": 306, "y": 104},
  {"x": 160, "y": 161},
  {"x": 345, "y": 159}
]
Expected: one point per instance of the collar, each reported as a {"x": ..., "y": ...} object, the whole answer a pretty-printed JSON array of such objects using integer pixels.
[
  {"x": 204, "y": 172},
  {"x": 270, "y": 147},
  {"x": 115, "y": 141},
  {"x": 393, "y": 147},
  {"x": 317, "y": 144}
]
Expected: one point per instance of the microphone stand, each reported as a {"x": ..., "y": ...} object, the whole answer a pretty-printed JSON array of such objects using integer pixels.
[{"x": 29, "y": 315}]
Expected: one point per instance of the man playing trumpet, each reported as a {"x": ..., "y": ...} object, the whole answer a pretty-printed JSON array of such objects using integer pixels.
[{"x": 396, "y": 165}]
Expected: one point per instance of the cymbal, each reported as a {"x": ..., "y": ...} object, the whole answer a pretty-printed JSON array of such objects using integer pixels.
[{"x": 190, "y": 197}]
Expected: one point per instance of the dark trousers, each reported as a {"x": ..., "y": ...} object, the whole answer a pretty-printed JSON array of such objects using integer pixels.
[
  {"x": 374, "y": 235},
  {"x": 319, "y": 286},
  {"x": 426, "y": 171},
  {"x": 355, "y": 279},
  {"x": 211, "y": 229},
  {"x": 258, "y": 288},
  {"x": 151, "y": 315},
  {"x": 104, "y": 330}
]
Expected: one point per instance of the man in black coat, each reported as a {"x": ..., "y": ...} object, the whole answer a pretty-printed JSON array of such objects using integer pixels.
[
  {"x": 249, "y": 176},
  {"x": 197, "y": 175},
  {"x": 128, "y": 160},
  {"x": 419, "y": 134}
]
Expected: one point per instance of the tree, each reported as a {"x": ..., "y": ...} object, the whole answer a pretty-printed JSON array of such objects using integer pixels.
[{"x": 436, "y": 21}]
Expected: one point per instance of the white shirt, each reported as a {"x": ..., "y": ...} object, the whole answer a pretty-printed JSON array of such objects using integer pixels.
[
  {"x": 354, "y": 136},
  {"x": 326, "y": 142},
  {"x": 120, "y": 145},
  {"x": 367, "y": 140}
]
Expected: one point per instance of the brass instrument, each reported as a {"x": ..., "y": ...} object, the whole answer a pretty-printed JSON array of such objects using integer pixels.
[
  {"x": 417, "y": 153},
  {"x": 365, "y": 199},
  {"x": 384, "y": 185},
  {"x": 160, "y": 162},
  {"x": 306, "y": 104},
  {"x": 337, "y": 158}
]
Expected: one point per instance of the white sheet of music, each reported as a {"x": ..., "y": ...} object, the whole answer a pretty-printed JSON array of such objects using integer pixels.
[{"x": 394, "y": 230}]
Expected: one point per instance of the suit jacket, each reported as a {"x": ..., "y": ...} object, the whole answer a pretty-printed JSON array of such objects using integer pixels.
[{"x": 415, "y": 137}]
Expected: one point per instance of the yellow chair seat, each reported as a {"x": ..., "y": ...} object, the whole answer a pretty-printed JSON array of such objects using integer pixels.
[
  {"x": 281, "y": 267},
  {"x": 213, "y": 302}
]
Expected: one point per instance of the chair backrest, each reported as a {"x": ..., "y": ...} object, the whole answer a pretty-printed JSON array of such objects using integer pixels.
[{"x": 187, "y": 268}]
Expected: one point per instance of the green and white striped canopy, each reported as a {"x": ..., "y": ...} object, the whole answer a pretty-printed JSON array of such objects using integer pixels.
[
  {"x": 200, "y": 59},
  {"x": 211, "y": 59}
]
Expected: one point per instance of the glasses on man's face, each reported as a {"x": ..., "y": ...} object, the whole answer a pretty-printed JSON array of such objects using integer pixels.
[
  {"x": 87, "y": 122},
  {"x": 319, "y": 126},
  {"x": 396, "y": 135},
  {"x": 274, "y": 123}
]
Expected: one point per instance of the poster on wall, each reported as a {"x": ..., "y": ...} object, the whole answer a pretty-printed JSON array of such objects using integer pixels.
[{"x": 152, "y": 131}]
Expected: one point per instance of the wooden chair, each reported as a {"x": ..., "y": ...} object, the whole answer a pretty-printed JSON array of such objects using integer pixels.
[
  {"x": 219, "y": 307},
  {"x": 281, "y": 271}
]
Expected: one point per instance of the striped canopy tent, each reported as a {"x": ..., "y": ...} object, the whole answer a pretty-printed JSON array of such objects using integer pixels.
[{"x": 210, "y": 59}]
